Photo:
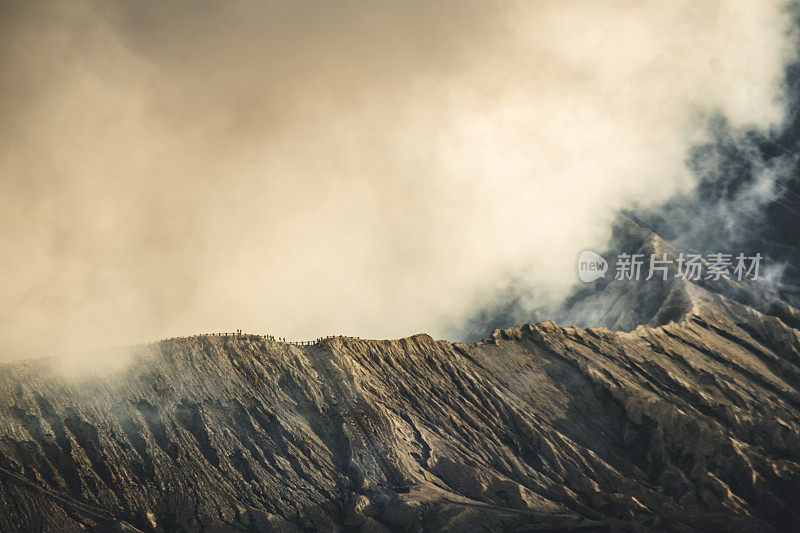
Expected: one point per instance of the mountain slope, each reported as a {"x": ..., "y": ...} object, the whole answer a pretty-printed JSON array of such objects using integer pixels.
[{"x": 692, "y": 425}]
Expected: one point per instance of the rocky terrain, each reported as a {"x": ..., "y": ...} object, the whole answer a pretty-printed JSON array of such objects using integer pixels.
[{"x": 688, "y": 423}]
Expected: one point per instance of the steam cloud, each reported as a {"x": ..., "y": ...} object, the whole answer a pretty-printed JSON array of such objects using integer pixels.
[{"x": 313, "y": 168}]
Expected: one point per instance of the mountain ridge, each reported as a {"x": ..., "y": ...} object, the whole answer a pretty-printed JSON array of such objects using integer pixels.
[{"x": 688, "y": 426}]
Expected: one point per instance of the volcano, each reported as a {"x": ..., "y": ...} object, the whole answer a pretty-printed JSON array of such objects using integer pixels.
[{"x": 683, "y": 415}]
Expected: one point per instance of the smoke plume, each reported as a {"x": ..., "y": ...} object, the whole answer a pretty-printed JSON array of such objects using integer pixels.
[{"x": 311, "y": 168}]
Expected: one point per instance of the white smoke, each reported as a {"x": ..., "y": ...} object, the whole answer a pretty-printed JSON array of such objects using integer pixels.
[{"x": 304, "y": 169}]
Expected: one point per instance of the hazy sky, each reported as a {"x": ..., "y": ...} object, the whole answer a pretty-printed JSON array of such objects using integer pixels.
[{"x": 312, "y": 168}]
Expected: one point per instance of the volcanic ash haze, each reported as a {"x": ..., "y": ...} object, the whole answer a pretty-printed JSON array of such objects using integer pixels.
[{"x": 309, "y": 168}]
